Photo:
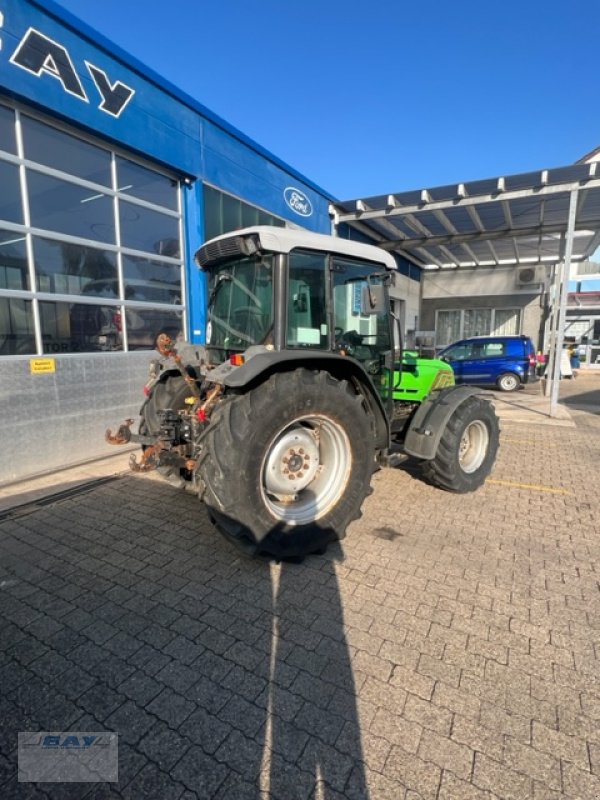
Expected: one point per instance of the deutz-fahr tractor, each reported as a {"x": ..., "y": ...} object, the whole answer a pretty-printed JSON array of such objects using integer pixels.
[{"x": 300, "y": 393}]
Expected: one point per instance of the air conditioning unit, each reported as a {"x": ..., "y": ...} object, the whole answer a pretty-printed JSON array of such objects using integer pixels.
[{"x": 526, "y": 276}]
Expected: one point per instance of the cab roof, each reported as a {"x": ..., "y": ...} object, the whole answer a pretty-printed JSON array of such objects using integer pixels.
[{"x": 283, "y": 240}]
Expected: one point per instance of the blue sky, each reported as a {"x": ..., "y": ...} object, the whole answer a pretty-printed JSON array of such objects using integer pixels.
[{"x": 371, "y": 98}]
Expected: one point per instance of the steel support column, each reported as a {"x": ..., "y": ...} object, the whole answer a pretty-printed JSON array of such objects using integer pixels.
[{"x": 562, "y": 308}]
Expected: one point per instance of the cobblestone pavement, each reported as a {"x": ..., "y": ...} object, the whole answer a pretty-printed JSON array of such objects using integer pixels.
[{"x": 448, "y": 649}]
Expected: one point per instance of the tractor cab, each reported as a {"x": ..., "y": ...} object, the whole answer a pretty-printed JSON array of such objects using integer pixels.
[{"x": 290, "y": 291}]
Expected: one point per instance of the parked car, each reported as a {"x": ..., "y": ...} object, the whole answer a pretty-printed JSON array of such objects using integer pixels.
[{"x": 503, "y": 361}]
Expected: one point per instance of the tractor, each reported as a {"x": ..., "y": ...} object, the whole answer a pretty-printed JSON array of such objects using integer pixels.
[{"x": 300, "y": 393}]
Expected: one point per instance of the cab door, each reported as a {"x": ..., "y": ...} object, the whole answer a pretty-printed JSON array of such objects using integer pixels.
[{"x": 362, "y": 329}]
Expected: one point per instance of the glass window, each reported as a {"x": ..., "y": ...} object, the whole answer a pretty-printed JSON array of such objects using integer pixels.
[
  {"x": 144, "y": 325},
  {"x": 151, "y": 231},
  {"x": 240, "y": 304},
  {"x": 249, "y": 216},
  {"x": 447, "y": 327},
  {"x": 151, "y": 281},
  {"x": 14, "y": 273},
  {"x": 80, "y": 327},
  {"x": 56, "y": 205},
  {"x": 146, "y": 293},
  {"x": 60, "y": 150},
  {"x": 67, "y": 268},
  {"x": 7, "y": 130},
  {"x": 492, "y": 349},
  {"x": 477, "y": 322},
  {"x": 11, "y": 208},
  {"x": 212, "y": 212},
  {"x": 223, "y": 213},
  {"x": 461, "y": 352},
  {"x": 16, "y": 327},
  {"x": 307, "y": 304},
  {"x": 146, "y": 184},
  {"x": 366, "y": 338},
  {"x": 506, "y": 321},
  {"x": 232, "y": 213}
]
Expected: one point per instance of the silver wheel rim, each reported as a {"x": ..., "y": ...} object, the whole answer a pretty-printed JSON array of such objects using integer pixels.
[
  {"x": 306, "y": 469},
  {"x": 509, "y": 382},
  {"x": 473, "y": 446}
]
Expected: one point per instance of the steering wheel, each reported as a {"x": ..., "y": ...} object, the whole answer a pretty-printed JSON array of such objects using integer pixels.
[{"x": 348, "y": 341}]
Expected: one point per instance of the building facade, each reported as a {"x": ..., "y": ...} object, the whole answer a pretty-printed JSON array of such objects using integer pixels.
[
  {"x": 504, "y": 301},
  {"x": 111, "y": 179}
]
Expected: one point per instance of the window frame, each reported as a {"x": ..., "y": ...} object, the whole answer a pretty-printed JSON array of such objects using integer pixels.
[
  {"x": 463, "y": 311},
  {"x": 117, "y": 198}
]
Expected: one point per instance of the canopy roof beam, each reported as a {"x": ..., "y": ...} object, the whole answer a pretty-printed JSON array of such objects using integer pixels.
[
  {"x": 478, "y": 236},
  {"x": 394, "y": 206}
]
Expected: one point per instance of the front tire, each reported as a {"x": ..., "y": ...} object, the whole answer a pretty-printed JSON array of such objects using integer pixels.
[
  {"x": 288, "y": 464},
  {"x": 467, "y": 449}
]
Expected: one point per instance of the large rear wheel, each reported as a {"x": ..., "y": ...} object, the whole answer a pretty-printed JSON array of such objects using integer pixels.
[
  {"x": 467, "y": 449},
  {"x": 288, "y": 464},
  {"x": 171, "y": 393}
]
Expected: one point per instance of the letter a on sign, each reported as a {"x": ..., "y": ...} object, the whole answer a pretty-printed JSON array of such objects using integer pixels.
[{"x": 37, "y": 54}]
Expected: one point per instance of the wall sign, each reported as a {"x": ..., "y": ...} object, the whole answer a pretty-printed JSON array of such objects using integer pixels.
[
  {"x": 298, "y": 201},
  {"x": 42, "y": 366},
  {"x": 40, "y": 55}
]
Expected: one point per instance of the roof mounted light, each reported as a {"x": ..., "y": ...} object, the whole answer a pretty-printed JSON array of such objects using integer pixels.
[
  {"x": 226, "y": 248},
  {"x": 250, "y": 245}
]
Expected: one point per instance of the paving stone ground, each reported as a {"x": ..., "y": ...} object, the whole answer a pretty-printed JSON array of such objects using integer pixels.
[{"x": 447, "y": 650}]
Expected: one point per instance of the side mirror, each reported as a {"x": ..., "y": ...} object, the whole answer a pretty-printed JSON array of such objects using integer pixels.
[{"x": 372, "y": 300}]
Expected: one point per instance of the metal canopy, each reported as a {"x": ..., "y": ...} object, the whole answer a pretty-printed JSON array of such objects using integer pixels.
[
  {"x": 513, "y": 220},
  {"x": 549, "y": 217}
]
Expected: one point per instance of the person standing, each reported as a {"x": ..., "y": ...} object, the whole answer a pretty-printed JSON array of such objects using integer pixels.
[{"x": 540, "y": 361}]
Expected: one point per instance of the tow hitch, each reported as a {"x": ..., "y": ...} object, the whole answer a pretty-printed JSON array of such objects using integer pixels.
[
  {"x": 122, "y": 436},
  {"x": 169, "y": 448}
]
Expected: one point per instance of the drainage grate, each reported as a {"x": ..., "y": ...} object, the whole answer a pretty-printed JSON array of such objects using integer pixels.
[{"x": 49, "y": 499}]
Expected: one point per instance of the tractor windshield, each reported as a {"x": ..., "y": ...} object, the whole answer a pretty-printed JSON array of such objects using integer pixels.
[{"x": 240, "y": 304}]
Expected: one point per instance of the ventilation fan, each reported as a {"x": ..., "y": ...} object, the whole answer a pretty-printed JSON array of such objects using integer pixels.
[{"x": 528, "y": 275}]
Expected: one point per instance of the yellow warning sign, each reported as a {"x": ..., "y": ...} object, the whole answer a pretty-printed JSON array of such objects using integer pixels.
[{"x": 42, "y": 365}]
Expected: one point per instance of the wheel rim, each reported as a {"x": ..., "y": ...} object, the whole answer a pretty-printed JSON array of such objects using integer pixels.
[
  {"x": 306, "y": 469},
  {"x": 509, "y": 382},
  {"x": 473, "y": 446}
]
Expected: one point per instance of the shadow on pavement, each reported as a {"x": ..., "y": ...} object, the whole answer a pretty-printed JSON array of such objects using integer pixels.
[{"x": 122, "y": 610}]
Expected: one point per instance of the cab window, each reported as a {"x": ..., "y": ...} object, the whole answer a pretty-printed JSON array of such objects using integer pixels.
[{"x": 307, "y": 300}]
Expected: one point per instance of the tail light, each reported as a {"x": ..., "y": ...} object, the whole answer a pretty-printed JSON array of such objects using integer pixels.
[
  {"x": 118, "y": 321},
  {"x": 532, "y": 361}
]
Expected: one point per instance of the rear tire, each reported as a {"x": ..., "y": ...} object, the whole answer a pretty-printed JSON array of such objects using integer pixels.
[
  {"x": 467, "y": 449},
  {"x": 168, "y": 393},
  {"x": 508, "y": 382},
  {"x": 287, "y": 465}
]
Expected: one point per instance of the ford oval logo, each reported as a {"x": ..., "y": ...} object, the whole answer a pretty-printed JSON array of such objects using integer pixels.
[{"x": 298, "y": 201}]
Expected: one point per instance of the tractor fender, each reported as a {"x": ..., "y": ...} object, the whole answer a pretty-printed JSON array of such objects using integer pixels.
[
  {"x": 263, "y": 364},
  {"x": 428, "y": 424}
]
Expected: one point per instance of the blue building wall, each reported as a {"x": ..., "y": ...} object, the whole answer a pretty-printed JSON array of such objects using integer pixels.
[{"x": 52, "y": 60}]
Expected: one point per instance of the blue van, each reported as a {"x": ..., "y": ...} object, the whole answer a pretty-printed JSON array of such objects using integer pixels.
[{"x": 506, "y": 362}]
